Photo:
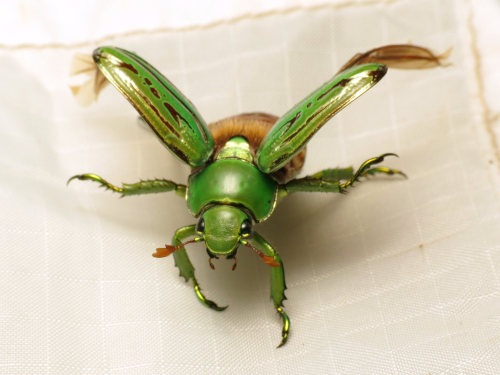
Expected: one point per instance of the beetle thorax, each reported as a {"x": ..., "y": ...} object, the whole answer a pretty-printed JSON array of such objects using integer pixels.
[{"x": 232, "y": 179}]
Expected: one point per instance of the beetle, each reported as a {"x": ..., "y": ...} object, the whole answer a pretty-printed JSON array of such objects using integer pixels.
[{"x": 243, "y": 165}]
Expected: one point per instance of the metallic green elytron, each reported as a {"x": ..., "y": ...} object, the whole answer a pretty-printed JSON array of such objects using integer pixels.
[{"x": 243, "y": 165}]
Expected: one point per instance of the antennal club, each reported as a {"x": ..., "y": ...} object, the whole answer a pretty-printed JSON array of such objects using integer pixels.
[
  {"x": 163, "y": 252},
  {"x": 266, "y": 258}
]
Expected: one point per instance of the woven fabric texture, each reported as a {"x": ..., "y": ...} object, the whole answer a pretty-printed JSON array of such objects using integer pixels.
[{"x": 396, "y": 277}]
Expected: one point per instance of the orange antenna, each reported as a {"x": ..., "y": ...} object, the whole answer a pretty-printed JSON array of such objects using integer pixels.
[
  {"x": 163, "y": 252},
  {"x": 266, "y": 258}
]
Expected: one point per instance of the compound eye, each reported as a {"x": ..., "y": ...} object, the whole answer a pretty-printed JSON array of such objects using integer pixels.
[
  {"x": 246, "y": 228},
  {"x": 200, "y": 227}
]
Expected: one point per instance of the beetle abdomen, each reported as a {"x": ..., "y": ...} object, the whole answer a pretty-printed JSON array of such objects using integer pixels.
[{"x": 253, "y": 127}]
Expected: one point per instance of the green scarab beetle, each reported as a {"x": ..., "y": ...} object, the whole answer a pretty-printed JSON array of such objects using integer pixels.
[{"x": 242, "y": 165}]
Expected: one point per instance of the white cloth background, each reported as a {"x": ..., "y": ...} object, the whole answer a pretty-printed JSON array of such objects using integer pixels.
[{"x": 396, "y": 277}]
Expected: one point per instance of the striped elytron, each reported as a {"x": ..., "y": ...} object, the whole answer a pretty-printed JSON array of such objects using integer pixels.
[{"x": 242, "y": 165}]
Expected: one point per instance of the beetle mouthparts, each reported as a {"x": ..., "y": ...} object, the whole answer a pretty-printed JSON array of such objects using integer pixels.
[
  {"x": 210, "y": 262},
  {"x": 216, "y": 257}
]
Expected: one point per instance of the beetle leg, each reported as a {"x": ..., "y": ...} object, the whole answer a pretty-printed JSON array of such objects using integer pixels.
[
  {"x": 278, "y": 284},
  {"x": 311, "y": 185},
  {"x": 366, "y": 168},
  {"x": 141, "y": 187},
  {"x": 384, "y": 170},
  {"x": 335, "y": 174},
  {"x": 329, "y": 180},
  {"x": 338, "y": 174},
  {"x": 186, "y": 267}
]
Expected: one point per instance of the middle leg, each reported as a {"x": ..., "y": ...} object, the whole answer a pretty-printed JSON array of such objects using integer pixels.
[{"x": 330, "y": 180}]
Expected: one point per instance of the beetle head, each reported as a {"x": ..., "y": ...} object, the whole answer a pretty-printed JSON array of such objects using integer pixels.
[{"x": 222, "y": 227}]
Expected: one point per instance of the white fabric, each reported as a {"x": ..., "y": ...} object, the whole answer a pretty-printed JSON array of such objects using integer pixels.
[{"x": 396, "y": 277}]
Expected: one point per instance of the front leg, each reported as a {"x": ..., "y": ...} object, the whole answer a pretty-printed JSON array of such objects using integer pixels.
[
  {"x": 186, "y": 267},
  {"x": 278, "y": 286},
  {"x": 141, "y": 187}
]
